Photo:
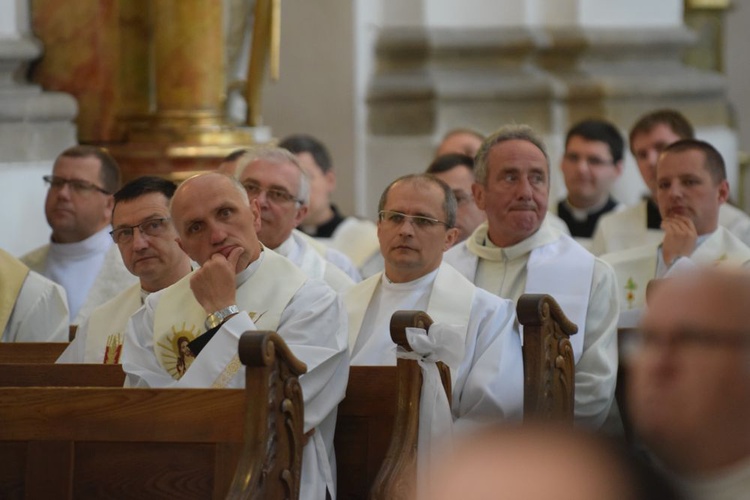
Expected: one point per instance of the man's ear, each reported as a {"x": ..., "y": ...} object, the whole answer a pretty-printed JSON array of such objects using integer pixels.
[
  {"x": 330, "y": 178},
  {"x": 723, "y": 191},
  {"x": 301, "y": 213},
  {"x": 109, "y": 207},
  {"x": 451, "y": 235},
  {"x": 478, "y": 191},
  {"x": 255, "y": 210}
]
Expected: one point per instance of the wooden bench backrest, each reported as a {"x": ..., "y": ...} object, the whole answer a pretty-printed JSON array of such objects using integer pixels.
[
  {"x": 174, "y": 443},
  {"x": 377, "y": 428},
  {"x": 68, "y": 375},
  {"x": 548, "y": 362},
  {"x": 31, "y": 352}
]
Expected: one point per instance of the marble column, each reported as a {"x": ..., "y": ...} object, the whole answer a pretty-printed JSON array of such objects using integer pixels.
[
  {"x": 548, "y": 63},
  {"x": 34, "y": 127}
]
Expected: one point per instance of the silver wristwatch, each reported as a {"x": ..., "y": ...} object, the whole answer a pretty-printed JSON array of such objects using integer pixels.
[{"x": 217, "y": 317}]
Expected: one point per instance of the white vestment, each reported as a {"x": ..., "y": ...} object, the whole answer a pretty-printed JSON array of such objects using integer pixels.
[
  {"x": 586, "y": 243},
  {"x": 32, "y": 308},
  {"x": 635, "y": 267},
  {"x": 591, "y": 302},
  {"x": 99, "y": 338},
  {"x": 629, "y": 229},
  {"x": 308, "y": 314},
  {"x": 357, "y": 239},
  {"x": 488, "y": 384},
  {"x": 731, "y": 483},
  {"x": 91, "y": 271},
  {"x": 304, "y": 254},
  {"x": 335, "y": 257}
]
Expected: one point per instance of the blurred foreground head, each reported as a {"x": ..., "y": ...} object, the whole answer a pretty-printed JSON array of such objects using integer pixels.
[
  {"x": 689, "y": 391},
  {"x": 539, "y": 462}
]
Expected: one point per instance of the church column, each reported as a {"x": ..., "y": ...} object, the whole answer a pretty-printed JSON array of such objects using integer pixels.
[
  {"x": 34, "y": 127},
  {"x": 548, "y": 63}
]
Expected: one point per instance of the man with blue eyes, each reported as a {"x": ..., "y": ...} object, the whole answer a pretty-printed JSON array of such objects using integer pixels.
[
  {"x": 689, "y": 382},
  {"x": 187, "y": 335},
  {"x": 147, "y": 241},
  {"x": 519, "y": 251},
  {"x": 591, "y": 164},
  {"x": 274, "y": 178},
  {"x": 691, "y": 186},
  {"x": 417, "y": 215},
  {"x": 81, "y": 256}
]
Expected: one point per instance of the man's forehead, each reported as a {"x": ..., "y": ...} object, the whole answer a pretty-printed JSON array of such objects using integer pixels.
[
  {"x": 141, "y": 207},
  {"x": 82, "y": 167}
]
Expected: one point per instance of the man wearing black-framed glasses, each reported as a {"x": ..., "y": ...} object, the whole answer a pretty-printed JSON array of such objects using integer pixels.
[
  {"x": 81, "y": 256},
  {"x": 147, "y": 241}
]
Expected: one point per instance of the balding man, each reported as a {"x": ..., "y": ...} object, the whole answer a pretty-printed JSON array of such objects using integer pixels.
[
  {"x": 689, "y": 390},
  {"x": 519, "y": 251},
  {"x": 81, "y": 255},
  {"x": 464, "y": 141},
  {"x": 187, "y": 335}
]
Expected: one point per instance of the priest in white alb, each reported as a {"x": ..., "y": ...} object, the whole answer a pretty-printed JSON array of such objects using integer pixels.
[
  {"x": 517, "y": 251},
  {"x": 32, "y": 308},
  {"x": 187, "y": 335},
  {"x": 146, "y": 240},
  {"x": 417, "y": 215},
  {"x": 691, "y": 187}
]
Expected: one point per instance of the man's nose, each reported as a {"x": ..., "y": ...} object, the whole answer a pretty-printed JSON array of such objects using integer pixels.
[{"x": 140, "y": 240}]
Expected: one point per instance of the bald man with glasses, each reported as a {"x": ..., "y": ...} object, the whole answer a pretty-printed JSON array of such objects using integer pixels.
[
  {"x": 80, "y": 255},
  {"x": 144, "y": 234}
]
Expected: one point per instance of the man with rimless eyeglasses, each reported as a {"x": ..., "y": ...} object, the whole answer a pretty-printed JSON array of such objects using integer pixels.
[
  {"x": 519, "y": 251},
  {"x": 81, "y": 256},
  {"x": 147, "y": 241},
  {"x": 417, "y": 215},
  {"x": 274, "y": 178}
]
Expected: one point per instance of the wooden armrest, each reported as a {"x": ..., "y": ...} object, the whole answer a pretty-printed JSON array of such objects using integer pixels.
[
  {"x": 271, "y": 459},
  {"x": 548, "y": 361}
]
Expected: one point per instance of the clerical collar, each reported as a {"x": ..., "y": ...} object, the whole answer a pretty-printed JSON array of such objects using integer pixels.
[
  {"x": 95, "y": 244},
  {"x": 410, "y": 285},
  {"x": 288, "y": 247},
  {"x": 144, "y": 295},
  {"x": 582, "y": 214},
  {"x": 326, "y": 229},
  {"x": 244, "y": 275},
  {"x": 480, "y": 244}
]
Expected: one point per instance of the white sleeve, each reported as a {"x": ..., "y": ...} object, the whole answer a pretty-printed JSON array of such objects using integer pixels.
[
  {"x": 489, "y": 382},
  {"x": 40, "y": 313},
  {"x": 76, "y": 350},
  {"x": 596, "y": 370}
]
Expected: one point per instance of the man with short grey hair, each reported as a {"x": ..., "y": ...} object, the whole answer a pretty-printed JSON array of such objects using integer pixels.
[
  {"x": 518, "y": 251},
  {"x": 273, "y": 177}
]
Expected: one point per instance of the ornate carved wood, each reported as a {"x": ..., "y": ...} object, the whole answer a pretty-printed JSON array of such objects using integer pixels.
[
  {"x": 271, "y": 460},
  {"x": 394, "y": 482},
  {"x": 548, "y": 363}
]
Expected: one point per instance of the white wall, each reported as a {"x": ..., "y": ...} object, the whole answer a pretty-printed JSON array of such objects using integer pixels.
[{"x": 22, "y": 206}]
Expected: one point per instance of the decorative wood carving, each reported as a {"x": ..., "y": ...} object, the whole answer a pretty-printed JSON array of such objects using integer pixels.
[
  {"x": 548, "y": 363},
  {"x": 271, "y": 459}
]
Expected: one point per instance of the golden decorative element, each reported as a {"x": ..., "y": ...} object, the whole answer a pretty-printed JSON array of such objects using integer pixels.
[
  {"x": 266, "y": 42},
  {"x": 113, "y": 349},
  {"x": 227, "y": 374},
  {"x": 708, "y": 4},
  {"x": 173, "y": 352}
]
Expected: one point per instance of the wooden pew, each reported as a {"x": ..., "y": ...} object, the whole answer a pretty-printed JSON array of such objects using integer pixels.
[
  {"x": 548, "y": 363},
  {"x": 67, "y": 375},
  {"x": 376, "y": 433},
  {"x": 89, "y": 442},
  {"x": 370, "y": 455},
  {"x": 31, "y": 352}
]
